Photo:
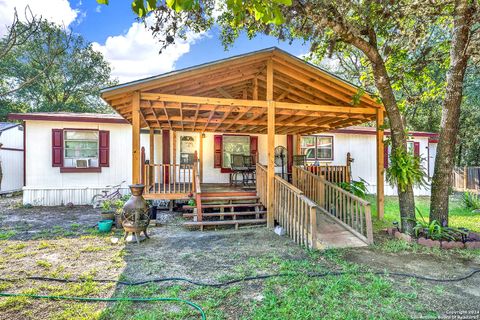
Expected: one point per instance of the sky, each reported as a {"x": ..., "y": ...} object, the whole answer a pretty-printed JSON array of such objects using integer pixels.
[{"x": 127, "y": 45}]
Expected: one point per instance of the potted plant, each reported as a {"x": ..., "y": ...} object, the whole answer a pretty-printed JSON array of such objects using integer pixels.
[
  {"x": 107, "y": 210},
  {"x": 191, "y": 200},
  {"x": 153, "y": 210},
  {"x": 118, "y": 204}
]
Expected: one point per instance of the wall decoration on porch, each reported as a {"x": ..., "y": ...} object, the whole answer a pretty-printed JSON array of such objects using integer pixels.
[{"x": 187, "y": 149}]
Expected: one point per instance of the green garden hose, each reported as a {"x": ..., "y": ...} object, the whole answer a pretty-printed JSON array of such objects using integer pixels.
[
  {"x": 89, "y": 299},
  {"x": 217, "y": 285}
]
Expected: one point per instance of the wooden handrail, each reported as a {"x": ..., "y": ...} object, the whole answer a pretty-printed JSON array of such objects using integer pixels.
[
  {"x": 296, "y": 213},
  {"x": 198, "y": 197},
  {"x": 289, "y": 185}
]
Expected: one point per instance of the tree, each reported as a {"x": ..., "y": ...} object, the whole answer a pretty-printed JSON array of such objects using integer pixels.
[
  {"x": 19, "y": 34},
  {"x": 468, "y": 147},
  {"x": 53, "y": 70},
  {"x": 463, "y": 37}
]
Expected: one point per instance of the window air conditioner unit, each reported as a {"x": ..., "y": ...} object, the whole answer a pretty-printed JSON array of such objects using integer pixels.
[{"x": 81, "y": 163}]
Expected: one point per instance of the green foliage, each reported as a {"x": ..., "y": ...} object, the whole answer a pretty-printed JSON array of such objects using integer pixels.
[
  {"x": 107, "y": 205},
  {"x": 405, "y": 169},
  {"x": 52, "y": 70},
  {"x": 471, "y": 200},
  {"x": 435, "y": 231},
  {"x": 264, "y": 11},
  {"x": 358, "y": 188}
]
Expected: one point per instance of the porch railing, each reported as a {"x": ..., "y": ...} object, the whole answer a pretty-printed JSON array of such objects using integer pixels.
[
  {"x": 352, "y": 212},
  {"x": 169, "y": 179},
  {"x": 292, "y": 209},
  {"x": 334, "y": 174},
  {"x": 295, "y": 213}
]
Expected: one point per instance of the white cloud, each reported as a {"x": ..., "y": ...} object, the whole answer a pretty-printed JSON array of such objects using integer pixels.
[
  {"x": 57, "y": 11},
  {"x": 135, "y": 54},
  {"x": 98, "y": 9}
]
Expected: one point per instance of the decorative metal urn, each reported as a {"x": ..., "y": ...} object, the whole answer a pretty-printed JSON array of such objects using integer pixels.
[{"x": 135, "y": 215}]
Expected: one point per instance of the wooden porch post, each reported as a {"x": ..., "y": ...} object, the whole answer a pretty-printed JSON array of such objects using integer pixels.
[
  {"x": 380, "y": 165},
  {"x": 298, "y": 144},
  {"x": 271, "y": 145},
  {"x": 136, "y": 137},
  {"x": 151, "y": 156},
  {"x": 174, "y": 147},
  {"x": 152, "y": 146},
  {"x": 201, "y": 157}
]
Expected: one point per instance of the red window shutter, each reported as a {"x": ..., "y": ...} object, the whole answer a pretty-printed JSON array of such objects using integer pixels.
[
  {"x": 416, "y": 149},
  {"x": 217, "y": 150},
  {"x": 104, "y": 148},
  {"x": 57, "y": 147},
  {"x": 254, "y": 147},
  {"x": 385, "y": 156}
]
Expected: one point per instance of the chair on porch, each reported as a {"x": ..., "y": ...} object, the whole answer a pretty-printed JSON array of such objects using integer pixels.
[
  {"x": 299, "y": 160},
  {"x": 249, "y": 174},
  {"x": 237, "y": 164}
]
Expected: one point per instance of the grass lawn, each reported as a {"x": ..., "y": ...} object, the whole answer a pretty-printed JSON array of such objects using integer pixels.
[{"x": 459, "y": 216}]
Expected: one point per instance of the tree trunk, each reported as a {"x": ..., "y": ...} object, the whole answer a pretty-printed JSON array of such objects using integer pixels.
[
  {"x": 384, "y": 86},
  {"x": 399, "y": 139},
  {"x": 449, "y": 125}
]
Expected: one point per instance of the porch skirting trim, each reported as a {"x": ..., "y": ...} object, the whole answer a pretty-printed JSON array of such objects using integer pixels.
[{"x": 50, "y": 196}]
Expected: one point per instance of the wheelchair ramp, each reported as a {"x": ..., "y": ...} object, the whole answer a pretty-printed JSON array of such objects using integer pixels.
[{"x": 331, "y": 234}]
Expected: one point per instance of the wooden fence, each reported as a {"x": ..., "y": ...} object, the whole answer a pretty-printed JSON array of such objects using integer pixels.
[
  {"x": 352, "y": 212},
  {"x": 466, "y": 179}
]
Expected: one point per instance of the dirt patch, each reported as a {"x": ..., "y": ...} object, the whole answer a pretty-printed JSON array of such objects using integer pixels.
[
  {"x": 37, "y": 222},
  {"x": 60, "y": 242},
  {"x": 446, "y": 297}
]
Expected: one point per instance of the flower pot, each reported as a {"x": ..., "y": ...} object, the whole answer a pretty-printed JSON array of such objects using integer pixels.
[
  {"x": 153, "y": 212},
  {"x": 105, "y": 225},
  {"x": 108, "y": 215}
]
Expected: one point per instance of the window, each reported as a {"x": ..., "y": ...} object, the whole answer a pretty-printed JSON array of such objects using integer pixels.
[
  {"x": 411, "y": 146},
  {"x": 187, "y": 149},
  {"x": 81, "y": 148},
  {"x": 317, "y": 148},
  {"x": 234, "y": 145}
]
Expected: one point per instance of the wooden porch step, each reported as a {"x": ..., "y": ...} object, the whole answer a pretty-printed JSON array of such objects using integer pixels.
[
  {"x": 225, "y": 214},
  {"x": 229, "y": 198},
  {"x": 232, "y": 205},
  {"x": 229, "y": 194},
  {"x": 202, "y": 224}
]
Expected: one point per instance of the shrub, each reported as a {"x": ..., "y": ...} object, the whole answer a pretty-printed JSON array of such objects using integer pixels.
[
  {"x": 435, "y": 231},
  {"x": 358, "y": 188},
  {"x": 471, "y": 200},
  {"x": 106, "y": 205}
]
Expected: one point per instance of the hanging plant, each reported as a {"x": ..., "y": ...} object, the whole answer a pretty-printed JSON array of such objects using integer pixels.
[{"x": 405, "y": 169}]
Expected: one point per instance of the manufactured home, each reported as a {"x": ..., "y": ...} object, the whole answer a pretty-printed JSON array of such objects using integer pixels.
[
  {"x": 11, "y": 157},
  {"x": 263, "y": 137}
]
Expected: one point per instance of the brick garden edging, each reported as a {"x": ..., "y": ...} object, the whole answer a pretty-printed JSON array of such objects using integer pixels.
[{"x": 429, "y": 243}]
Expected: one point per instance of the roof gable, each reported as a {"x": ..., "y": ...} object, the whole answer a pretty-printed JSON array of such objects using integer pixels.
[{"x": 230, "y": 95}]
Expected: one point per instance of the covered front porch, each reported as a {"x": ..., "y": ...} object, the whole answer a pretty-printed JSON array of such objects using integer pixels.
[{"x": 263, "y": 99}]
